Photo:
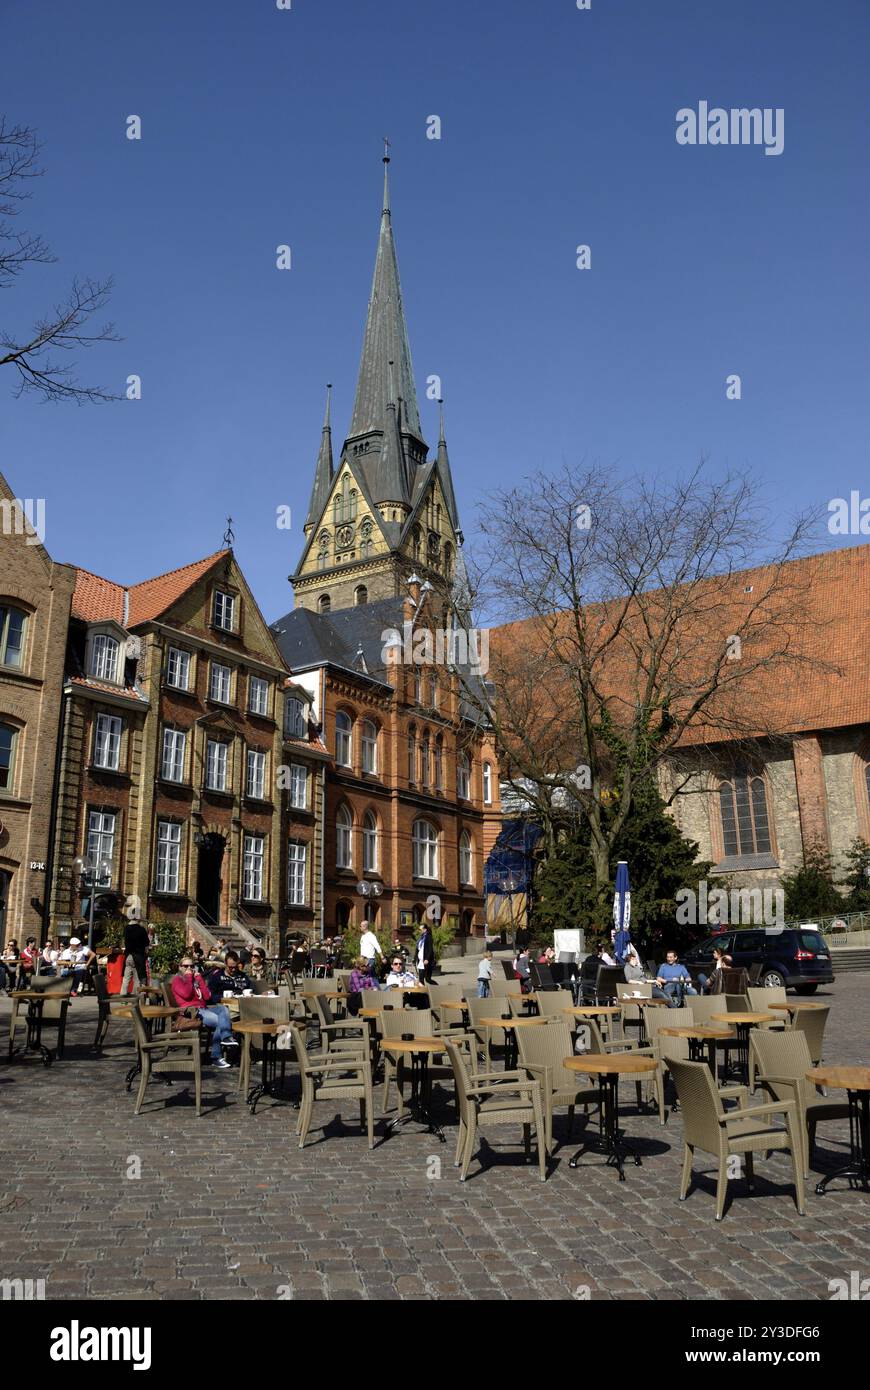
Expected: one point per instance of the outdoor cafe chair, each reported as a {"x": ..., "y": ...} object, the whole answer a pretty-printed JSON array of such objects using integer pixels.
[
  {"x": 395, "y": 1022},
  {"x": 487, "y": 1035},
  {"x": 333, "y": 1077},
  {"x": 631, "y": 1014},
  {"x": 254, "y": 1007},
  {"x": 748, "y": 1129},
  {"x": 54, "y": 1011},
  {"x": 169, "y": 1054},
  {"x": 812, "y": 1023},
  {"x": 553, "y": 1003},
  {"x": 542, "y": 1052},
  {"x": 184, "y": 1021},
  {"x": 782, "y": 1062},
  {"x": 499, "y": 988},
  {"x": 339, "y": 1034},
  {"x": 495, "y": 1098}
]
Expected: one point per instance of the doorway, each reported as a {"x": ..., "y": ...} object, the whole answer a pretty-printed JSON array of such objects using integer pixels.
[{"x": 208, "y": 879}]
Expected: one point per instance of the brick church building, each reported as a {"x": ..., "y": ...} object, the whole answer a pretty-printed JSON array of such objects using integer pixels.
[{"x": 411, "y": 790}]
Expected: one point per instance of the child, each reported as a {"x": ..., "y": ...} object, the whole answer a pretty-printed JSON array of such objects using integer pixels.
[{"x": 484, "y": 975}]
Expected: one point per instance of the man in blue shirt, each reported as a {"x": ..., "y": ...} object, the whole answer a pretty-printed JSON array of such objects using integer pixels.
[{"x": 675, "y": 980}]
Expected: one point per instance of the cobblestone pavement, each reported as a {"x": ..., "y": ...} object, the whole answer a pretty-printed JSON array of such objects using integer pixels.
[{"x": 227, "y": 1207}]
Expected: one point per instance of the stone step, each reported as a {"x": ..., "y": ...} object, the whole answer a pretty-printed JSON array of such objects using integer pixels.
[{"x": 845, "y": 960}]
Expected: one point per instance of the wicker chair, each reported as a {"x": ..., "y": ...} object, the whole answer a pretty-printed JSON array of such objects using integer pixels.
[
  {"x": 552, "y": 1004},
  {"x": 542, "y": 1052},
  {"x": 342, "y": 1034},
  {"x": 171, "y": 1054},
  {"x": 760, "y": 999},
  {"x": 489, "y": 1008},
  {"x": 498, "y": 988},
  {"x": 184, "y": 1022},
  {"x": 395, "y": 1022},
  {"x": 255, "y": 1007},
  {"x": 812, "y": 1023},
  {"x": 782, "y": 1061},
  {"x": 54, "y": 1010},
  {"x": 333, "y": 1076},
  {"x": 631, "y": 1014},
  {"x": 495, "y": 1098},
  {"x": 708, "y": 1126}
]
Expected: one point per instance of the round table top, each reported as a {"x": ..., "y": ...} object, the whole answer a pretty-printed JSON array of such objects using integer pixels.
[
  {"x": 622, "y": 1062},
  {"x": 29, "y": 994},
  {"x": 323, "y": 994},
  {"x": 369, "y": 1013},
  {"x": 745, "y": 1018},
  {"x": 259, "y": 1025},
  {"x": 415, "y": 1045},
  {"x": 646, "y": 1003},
  {"x": 408, "y": 989},
  {"x": 841, "y": 1078},
  {"x": 158, "y": 1010},
  {"x": 797, "y": 1004},
  {"x": 699, "y": 1031},
  {"x": 452, "y": 1004},
  {"x": 512, "y": 1022},
  {"x": 589, "y": 1009}
]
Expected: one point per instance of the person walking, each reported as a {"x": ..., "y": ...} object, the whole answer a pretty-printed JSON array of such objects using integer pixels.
[
  {"x": 484, "y": 975},
  {"x": 137, "y": 943},
  {"x": 370, "y": 949},
  {"x": 425, "y": 955}
]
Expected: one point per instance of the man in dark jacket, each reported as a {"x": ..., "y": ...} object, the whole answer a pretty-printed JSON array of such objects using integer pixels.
[
  {"x": 230, "y": 979},
  {"x": 424, "y": 955},
  {"x": 136, "y": 946}
]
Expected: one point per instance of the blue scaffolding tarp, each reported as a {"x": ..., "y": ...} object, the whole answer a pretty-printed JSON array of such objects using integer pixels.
[{"x": 510, "y": 866}]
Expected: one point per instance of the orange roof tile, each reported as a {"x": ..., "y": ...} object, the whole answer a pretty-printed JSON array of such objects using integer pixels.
[{"x": 96, "y": 599}]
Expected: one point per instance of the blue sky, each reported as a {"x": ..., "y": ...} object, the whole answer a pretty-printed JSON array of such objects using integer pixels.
[{"x": 262, "y": 127}]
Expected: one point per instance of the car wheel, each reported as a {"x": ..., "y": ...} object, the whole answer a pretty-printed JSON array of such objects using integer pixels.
[
  {"x": 771, "y": 979},
  {"x": 805, "y": 989}
]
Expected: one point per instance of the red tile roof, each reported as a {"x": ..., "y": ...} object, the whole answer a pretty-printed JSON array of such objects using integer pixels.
[{"x": 96, "y": 599}]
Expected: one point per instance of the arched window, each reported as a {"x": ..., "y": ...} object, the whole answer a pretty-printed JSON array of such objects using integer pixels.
[
  {"x": 412, "y": 753},
  {"x": 8, "y": 739},
  {"x": 439, "y": 764},
  {"x": 343, "y": 839},
  {"x": 369, "y": 737},
  {"x": 466, "y": 858},
  {"x": 433, "y": 691},
  {"x": 295, "y": 718},
  {"x": 353, "y": 501},
  {"x": 360, "y": 595},
  {"x": 12, "y": 622},
  {"x": 424, "y": 761},
  {"x": 425, "y": 839},
  {"x": 487, "y": 784},
  {"x": 463, "y": 777},
  {"x": 418, "y": 686},
  {"x": 370, "y": 843},
  {"x": 745, "y": 821},
  {"x": 104, "y": 657},
  {"x": 324, "y": 603},
  {"x": 343, "y": 729}
]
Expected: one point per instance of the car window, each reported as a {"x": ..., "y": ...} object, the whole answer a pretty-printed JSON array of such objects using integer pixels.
[
  {"x": 810, "y": 941},
  {"x": 752, "y": 941}
]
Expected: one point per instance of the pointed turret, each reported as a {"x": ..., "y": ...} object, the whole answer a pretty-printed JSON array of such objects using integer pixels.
[
  {"x": 385, "y": 340},
  {"x": 324, "y": 472},
  {"x": 443, "y": 464},
  {"x": 391, "y": 478}
]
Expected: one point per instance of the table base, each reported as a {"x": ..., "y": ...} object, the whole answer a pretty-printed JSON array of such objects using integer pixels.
[
  {"x": 857, "y": 1170},
  {"x": 615, "y": 1146},
  {"x": 420, "y": 1106},
  {"x": 33, "y": 1041}
]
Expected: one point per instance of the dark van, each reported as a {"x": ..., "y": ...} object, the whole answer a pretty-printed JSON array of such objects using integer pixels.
[{"x": 794, "y": 957}]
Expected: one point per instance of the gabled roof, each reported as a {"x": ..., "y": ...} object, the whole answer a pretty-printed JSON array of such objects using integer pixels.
[{"x": 96, "y": 599}]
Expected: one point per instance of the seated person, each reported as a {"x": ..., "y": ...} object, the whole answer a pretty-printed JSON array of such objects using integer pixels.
[
  {"x": 547, "y": 956},
  {"x": 712, "y": 984},
  {"x": 604, "y": 956},
  {"x": 399, "y": 949},
  {"x": 231, "y": 979},
  {"x": 360, "y": 977},
  {"x": 675, "y": 980},
  {"x": 522, "y": 970},
  {"x": 400, "y": 973},
  {"x": 82, "y": 958},
  {"x": 633, "y": 969},
  {"x": 258, "y": 969},
  {"x": 191, "y": 992}
]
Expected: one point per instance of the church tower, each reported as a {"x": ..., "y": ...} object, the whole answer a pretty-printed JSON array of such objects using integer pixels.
[{"x": 386, "y": 511}]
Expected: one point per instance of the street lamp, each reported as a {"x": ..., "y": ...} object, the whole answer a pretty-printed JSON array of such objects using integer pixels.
[{"x": 92, "y": 871}]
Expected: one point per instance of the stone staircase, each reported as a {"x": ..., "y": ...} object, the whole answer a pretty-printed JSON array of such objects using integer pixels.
[{"x": 846, "y": 959}]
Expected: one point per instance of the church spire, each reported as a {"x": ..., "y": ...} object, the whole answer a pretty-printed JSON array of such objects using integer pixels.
[
  {"x": 385, "y": 340},
  {"x": 391, "y": 480},
  {"x": 443, "y": 465},
  {"x": 324, "y": 471}
]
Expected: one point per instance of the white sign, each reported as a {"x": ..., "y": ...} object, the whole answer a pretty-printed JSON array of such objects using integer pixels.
[{"x": 568, "y": 939}]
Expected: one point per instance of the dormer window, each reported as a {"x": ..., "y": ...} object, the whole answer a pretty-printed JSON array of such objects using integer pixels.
[
  {"x": 104, "y": 657},
  {"x": 224, "y": 610}
]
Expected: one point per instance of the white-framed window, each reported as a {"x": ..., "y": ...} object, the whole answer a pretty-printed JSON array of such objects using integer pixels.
[
  {"x": 297, "y": 873},
  {"x": 466, "y": 858},
  {"x": 343, "y": 839},
  {"x": 12, "y": 623},
  {"x": 295, "y": 717},
  {"x": 219, "y": 683},
  {"x": 298, "y": 787},
  {"x": 258, "y": 695},
  {"x": 172, "y": 761},
  {"x": 425, "y": 839},
  {"x": 101, "y": 836},
  {"x": 487, "y": 784},
  {"x": 463, "y": 777},
  {"x": 370, "y": 842},
  {"x": 252, "y": 869},
  {"x": 107, "y": 742},
  {"x": 255, "y": 781},
  {"x": 178, "y": 669},
  {"x": 168, "y": 856},
  {"x": 224, "y": 610},
  {"x": 104, "y": 657},
  {"x": 369, "y": 739},
  {"x": 216, "y": 765},
  {"x": 343, "y": 729}
]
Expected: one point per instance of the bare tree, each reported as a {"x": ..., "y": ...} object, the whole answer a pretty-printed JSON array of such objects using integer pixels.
[
  {"x": 66, "y": 327},
  {"x": 642, "y": 636}
]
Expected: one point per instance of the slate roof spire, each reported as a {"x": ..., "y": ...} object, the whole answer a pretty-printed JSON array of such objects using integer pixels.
[
  {"x": 391, "y": 478},
  {"x": 323, "y": 474},
  {"x": 443, "y": 465},
  {"x": 385, "y": 340}
]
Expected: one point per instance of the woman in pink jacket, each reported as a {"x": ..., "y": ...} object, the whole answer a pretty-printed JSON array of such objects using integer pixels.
[{"x": 191, "y": 991}]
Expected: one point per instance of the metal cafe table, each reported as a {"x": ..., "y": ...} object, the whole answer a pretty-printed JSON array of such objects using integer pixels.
[
  {"x": 510, "y": 1023},
  {"x": 608, "y": 1069},
  {"x": 743, "y": 1022},
  {"x": 855, "y": 1081},
  {"x": 699, "y": 1035},
  {"x": 267, "y": 1030},
  {"x": 420, "y": 1108},
  {"x": 611, "y": 1013},
  {"x": 36, "y": 999}
]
